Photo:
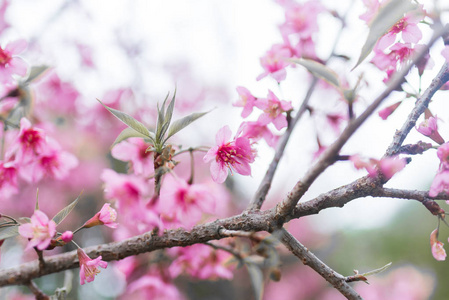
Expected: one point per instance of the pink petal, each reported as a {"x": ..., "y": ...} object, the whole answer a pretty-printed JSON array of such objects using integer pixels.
[
  {"x": 218, "y": 172},
  {"x": 223, "y": 135},
  {"x": 16, "y": 47}
]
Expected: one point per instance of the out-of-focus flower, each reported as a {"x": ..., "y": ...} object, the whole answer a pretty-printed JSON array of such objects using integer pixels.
[
  {"x": 89, "y": 267},
  {"x": 106, "y": 216},
  {"x": 233, "y": 155},
  {"x": 438, "y": 251},
  {"x": 273, "y": 111},
  {"x": 445, "y": 53},
  {"x": 387, "y": 111},
  {"x": 10, "y": 64},
  {"x": 152, "y": 286},
  {"x": 391, "y": 165},
  {"x": 40, "y": 231},
  {"x": 134, "y": 150},
  {"x": 202, "y": 262},
  {"x": 254, "y": 131},
  {"x": 429, "y": 127},
  {"x": 185, "y": 202},
  {"x": 443, "y": 155},
  {"x": 440, "y": 183},
  {"x": 246, "y": 100},
  {"x": 8, "y": 179},
  {"x": 274, "y": 62}
]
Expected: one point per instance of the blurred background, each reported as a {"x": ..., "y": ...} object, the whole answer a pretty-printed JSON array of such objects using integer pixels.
[{"x": 140, "y": 50}]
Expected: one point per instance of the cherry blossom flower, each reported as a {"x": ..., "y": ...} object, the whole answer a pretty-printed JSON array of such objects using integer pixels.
[
  {"x": 185, "y": 202},
  {"x": 233, "y": 155},
  {"x": 440, "y": 183},
  {"x": 40, "y": 231},
  {"x": 10, "y": 64},
  {"x": 200, "y": 261},
  {"x": 429, "y": 127},
  {"x": 254, "y": 131},
  {"x": 89, "y": 267},
  {"x": 386, "y": 112},
  {"x": 274, "y": 62},
  {"x": 246, "y": 100},
  {"x": 31, "y": 141},
  {"x": 438, "y": 251},
  {"x": 152, "y": 286},
  {"x": 106, "y": 216},
  {"x": 443, "y": 155},
  {"x": 301, "y": 19},
  {"x": 273, "y": 111},
  {"x": 8, "y": 179},
  {"x": 372, "y": 7},
  {"x": 134, "y": 150},
  {"x": 408, "y": 28}
]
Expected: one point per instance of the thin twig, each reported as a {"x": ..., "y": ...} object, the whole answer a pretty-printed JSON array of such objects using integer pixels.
[
  {"x": 337, "y": 280},
  {"x": 36, "y": 291}
]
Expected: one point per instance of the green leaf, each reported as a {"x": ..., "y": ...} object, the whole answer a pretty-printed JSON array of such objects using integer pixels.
[
  {"x": 160, "y": 119},
  {"x": 387, "y": 16},
  {"x": 170, "y": 108},
  {"x": 256, "y": 276},
  {"x": 128, "y": 132},
  {"x": 9, "y": 232},
  {"x": 377, "y": 270},
  {"x": 60, "y": 216},
  {"x": 319, "y": 70},
  {"x": 128, "y": 120},
  {"x": 37, "y": 200},
  {"x": 35, "y": 72},
  {"x": 182, "y": 123}
]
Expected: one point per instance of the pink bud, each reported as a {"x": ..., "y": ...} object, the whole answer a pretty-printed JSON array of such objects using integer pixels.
[{"x": 67, "y": 236}]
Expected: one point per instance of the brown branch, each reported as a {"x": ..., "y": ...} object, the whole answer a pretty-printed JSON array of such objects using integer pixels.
[
  {"x": 330, "y": 154},
  {"x": 36, "y": 291},
  {"x": 337, "y": 280}
]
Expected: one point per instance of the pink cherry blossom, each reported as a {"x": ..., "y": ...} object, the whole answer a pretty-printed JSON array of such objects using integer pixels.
[
  {"x": 40, "y": 231},
  {"x": 273, "y": 111},
  {"x": 254, "y": 131},
  {"x": 372, "y": 7},
  {"x": 429, "y": 127},
  {"x": 443, "y": 155},
  {"x": 185, "y": 202},
  {"x": 89, "y": 267},
  {"x": 31, "y": 141},
  {"x": 301, "y": 19},
  {"x": 274, "y": 62},
  {"x": 8, "y": 179},
  {"x": 134, "y": 150},
  {"x": 152, "y": 286},
  {"x": 200, "y": 261},
  {"x": 246, "y": 100},
  {"x": 10, "y": 64},
  {"x": 440, "y": 183},
  {"x": 233, "y": 155},
  {"x": 407, "y": 26},
  {"x": 438, "y": 251},
  {"x": 106, "y": 216}
]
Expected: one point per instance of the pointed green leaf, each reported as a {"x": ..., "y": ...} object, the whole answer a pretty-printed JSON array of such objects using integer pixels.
[
  {"x": 35, "y": 72},
  {"x": 386, "y": 17},
  {"x": 9, "y": 232},
  {"x": 377, "y": 270},
  {"x": 160, "y": 119},
  {"x": 60, "y": 216},
  {"x": 256, "y": 276},
  {"x": 128, "y": 132},
  {"x": 37, "y": 200},
  {"x": 182, "y": 123},
  {"x": 319, "y": 70},
  {"x": 169, "y": 113},
  {"x": 128, "y": 120}
]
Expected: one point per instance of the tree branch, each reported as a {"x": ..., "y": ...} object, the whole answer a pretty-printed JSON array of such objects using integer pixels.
[
  {"x": 337, "y": 280},
  {"x": 329, "y": 155}
]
